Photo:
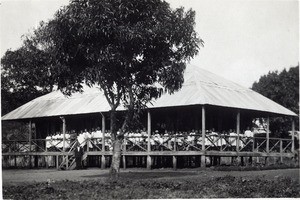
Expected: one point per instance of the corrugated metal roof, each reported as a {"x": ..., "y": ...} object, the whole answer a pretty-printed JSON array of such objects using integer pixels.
[
  {"x": 205, "y": 88},
  {"x": 200, "y": 88}
]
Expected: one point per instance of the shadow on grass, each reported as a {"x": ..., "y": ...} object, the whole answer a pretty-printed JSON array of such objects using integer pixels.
[
  {"x": 145, "y": 175},
  {"x": 254, "y": 168}
]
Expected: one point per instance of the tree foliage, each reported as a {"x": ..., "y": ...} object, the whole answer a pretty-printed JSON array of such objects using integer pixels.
[
  {"x": 133, "y": 50},
  {"x": 24, "y": 76},
  {"x": 283, "y": 88},
  {"x": 117, "y": 44}
]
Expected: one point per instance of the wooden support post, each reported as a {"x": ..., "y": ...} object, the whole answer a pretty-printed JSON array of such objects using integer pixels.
[
  {"x": 253, "y": 149},
  {"x": 268, "y": 141},
  {"x": 103, "y": 132},
  {"x": 174, "y": 150},
  {"x": 103, "y": 164},
  {"x": 9, "y": 157},
  {"x": 15, "y": 157},
  {"x": 238, "y": 123},
  {"x": 268, "y": 136},
  {"x": 238, "y": 128},
  {"x": 124, "y": 151},
  {"x": 281, "y": 151},
  {"x": 64, "y": 139},
  {"x": 293, "y": 136},
  {"x": 47, "y": 162},
  {"x": 99, "y": 160},
  {"x": 30, "y": 141},
  {"x": 174, "y": 162},
  {"x": 87, "y": 144},
  {"x": 124, "y": 162},
  {"x": 203, "y": 164},
  {"x": 175, "y": 143},
  {"x": 67, "y": 162},
  {"x": 30, "y": 134},
  {"x": 57, "y": 164},
  {"x": 64, "y": 126},
  {"x": 149, "y": 162},
  {"x": 148, "y": 143},
  {"x": 253, "y": 144},
  {"x": 149, "y": 131}
]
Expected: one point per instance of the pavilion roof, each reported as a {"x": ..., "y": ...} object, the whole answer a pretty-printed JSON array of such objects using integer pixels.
[{"x": 200, "y": 87}]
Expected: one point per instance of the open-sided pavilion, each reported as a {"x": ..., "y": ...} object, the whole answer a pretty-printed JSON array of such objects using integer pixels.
[{"x": 195, "y": 121}]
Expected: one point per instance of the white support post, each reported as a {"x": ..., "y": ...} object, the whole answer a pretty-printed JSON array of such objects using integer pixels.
[
  {"x": 238, "y": 125},
  {"x": 103, "y": 164},
  {"x": 124, "y": 162},
  {"x": 268, "y": 136},
  {"x": 203, "y": 138},
  {"x": 174, "y": 150},
  {"x": 57, "y": 164},
  {"x": 238, "y": 129},
  {"x": 268, "y": 141},
  {"x": 30, "y": 134},
  {"x": 293, "y": 136},
  {"x": 281, "y": 151},
  {"x": 64, "y": 132},
  {"x": 149, "y": 135},
  {"x": 174, "y": 162},
  {"x": 29, "y": 141}
]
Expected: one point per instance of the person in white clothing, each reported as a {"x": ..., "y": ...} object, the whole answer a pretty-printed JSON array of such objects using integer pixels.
[
  {"x": 80, "y": 139},
  {"x": 214, "y": 135},
  {"x": 144, "y": 133},
  {"x": 48, "y": 142},
  {"x": 87, "y": 137},
  {"x": 180, "y": 139},
  {"x": 108, "y": 142},
  {"x": 138, "y": 137},
  {"x": 248, "y": 133},
  {"x": 68, "y": 141},
  {"x": 59, "y": 140},
  {"x": 98, "y": 135},
  {"x": 233, "y": 137},
  {"x": 92, "y": 137},
  {"x": 54, "y": 140}
]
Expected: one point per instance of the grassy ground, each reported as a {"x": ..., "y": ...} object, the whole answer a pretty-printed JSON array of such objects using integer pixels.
[{"x": 137, "y": 184}]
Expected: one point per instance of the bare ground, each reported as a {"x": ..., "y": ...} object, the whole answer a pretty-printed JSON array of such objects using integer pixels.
[{"x": 20, "y": 176}]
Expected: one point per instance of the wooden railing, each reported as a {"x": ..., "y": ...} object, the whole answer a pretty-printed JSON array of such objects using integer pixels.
[
  {"x": 69, "y": 160},
  {"x": 157, "y": 143},
  {"x": 16, "y": 146},
  {"x": 135, "y": 143},
  {"x": 187, "y": 142}
]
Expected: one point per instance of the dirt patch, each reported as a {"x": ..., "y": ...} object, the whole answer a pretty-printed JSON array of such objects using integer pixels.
[{"x": 43, "y": 175}]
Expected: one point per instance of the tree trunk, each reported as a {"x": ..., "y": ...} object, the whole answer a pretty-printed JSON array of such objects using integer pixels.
[
  {"x": 117, "y": 142},
  {"x": 116, "y": 158},
  {"x": 117, "y": 139}
]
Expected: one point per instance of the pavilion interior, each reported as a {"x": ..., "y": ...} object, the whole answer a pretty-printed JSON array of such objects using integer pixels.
[{"x": 170, "y": 119}]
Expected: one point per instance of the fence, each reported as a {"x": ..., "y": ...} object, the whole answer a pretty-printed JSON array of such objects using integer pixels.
[{"x": 168, "y": 143}]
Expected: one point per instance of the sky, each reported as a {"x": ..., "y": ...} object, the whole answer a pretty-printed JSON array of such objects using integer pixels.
[{"x": 244, "y": 39}]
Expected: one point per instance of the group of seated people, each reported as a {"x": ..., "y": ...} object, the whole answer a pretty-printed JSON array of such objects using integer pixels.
[
  {"x": 188, "y": 139},
  {"x": 56, "y": 140},
  {"x": 184, "y": 139}
]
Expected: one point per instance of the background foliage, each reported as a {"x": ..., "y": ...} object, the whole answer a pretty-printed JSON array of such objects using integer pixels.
[{"x": 283, "y": 88}]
